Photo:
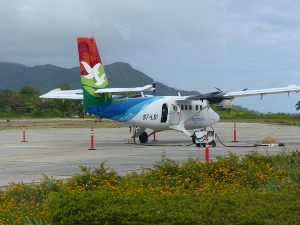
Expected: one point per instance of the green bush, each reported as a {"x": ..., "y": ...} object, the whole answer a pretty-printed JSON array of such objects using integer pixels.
[
  {"x": 252, "y": 189},
  {"x": 86, "y": 207}
]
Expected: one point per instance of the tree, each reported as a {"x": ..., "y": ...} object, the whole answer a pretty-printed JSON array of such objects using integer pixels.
[
  {"x": 78, "y": 108},
  {"x": 9, "y": 100},
  {"x": 67, "y": 106},
  {"x": 29, "y": 96},
  {"x": 29, "y": 92},
  {"x": 65, "y": 85},
  {"x": 297, "y": 106}
]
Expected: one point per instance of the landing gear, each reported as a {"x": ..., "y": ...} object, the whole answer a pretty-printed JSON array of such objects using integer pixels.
[
  {"x": 213, "y": 143},
  {"x": 143, "y": 137},
  {"x": 194, "y": 138}
]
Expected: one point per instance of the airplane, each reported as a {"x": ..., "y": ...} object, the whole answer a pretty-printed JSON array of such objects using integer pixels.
[{"x": 158, "y": 113}]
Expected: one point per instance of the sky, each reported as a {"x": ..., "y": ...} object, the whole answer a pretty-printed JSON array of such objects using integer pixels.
[{"x": 189, "y": 45}]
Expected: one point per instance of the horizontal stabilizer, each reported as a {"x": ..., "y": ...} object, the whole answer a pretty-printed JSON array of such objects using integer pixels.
[
  {"x": 78, "y": 94},
  {"x": 116, "y": 90},
  {"x": 65, "y": 94}
]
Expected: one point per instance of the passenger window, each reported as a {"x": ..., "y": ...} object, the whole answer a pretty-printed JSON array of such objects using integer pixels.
[
  {"x": 190, "y": 107},
  {"x": 186, "y": 107},
  {"x": 182, "y": 107},
  {"x": 174, "y": 108},
  {"x": 197, "y": 107},
  {"x": 200, "y": 107}
]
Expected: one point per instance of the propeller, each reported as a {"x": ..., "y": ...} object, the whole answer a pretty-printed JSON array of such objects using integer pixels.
[
  {"x": 217, "y": 98},
  {"x": 219, "y": 89},
  {"x": 153, "y": 85},
  {"x": 213, "y": 97}
]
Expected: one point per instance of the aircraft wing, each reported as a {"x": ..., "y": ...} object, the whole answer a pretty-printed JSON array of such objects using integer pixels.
[
  {"x": 224, "y": 100},
  {"x": 289, "y": 89},
  {"x": 115, "y": 90},
  {"x": 65, "y": 94},
  {"x": 216, "y": 97}
]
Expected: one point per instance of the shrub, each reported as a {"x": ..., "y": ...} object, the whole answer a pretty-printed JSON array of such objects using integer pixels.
[
  {"x": 252, "y": 189},
  {"x": 109, "y": 207}
]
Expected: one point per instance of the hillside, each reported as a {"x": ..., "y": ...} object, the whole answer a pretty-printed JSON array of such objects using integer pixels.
[{"x": 47, "y": 77}]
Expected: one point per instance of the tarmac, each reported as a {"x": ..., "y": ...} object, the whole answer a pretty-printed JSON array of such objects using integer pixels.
[{"x": 59, "y": 152}]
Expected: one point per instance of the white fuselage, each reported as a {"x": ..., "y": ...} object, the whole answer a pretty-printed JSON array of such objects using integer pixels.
[{"x": 193, "y": 114}]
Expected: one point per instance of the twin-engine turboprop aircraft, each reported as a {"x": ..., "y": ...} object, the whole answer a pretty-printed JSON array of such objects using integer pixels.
[{"x": 158, "y": 113}]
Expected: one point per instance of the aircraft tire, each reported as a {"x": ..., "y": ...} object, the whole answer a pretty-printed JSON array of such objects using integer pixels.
[
  {"x": 194, "y": 139},
  {"x": 213, "y": 144},
  {"x": 143, "y": 137}
]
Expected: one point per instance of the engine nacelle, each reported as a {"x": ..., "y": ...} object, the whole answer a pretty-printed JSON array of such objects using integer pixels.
[{"x": 226, "y": 103}]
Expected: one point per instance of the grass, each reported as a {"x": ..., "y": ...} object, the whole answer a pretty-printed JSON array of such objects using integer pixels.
[
  {"x": 59, "y": 123},
  {"x": 293, "y": 120}
]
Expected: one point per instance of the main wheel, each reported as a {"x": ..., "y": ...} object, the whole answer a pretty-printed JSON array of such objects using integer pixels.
[
  {"x": 194, "y": 138},
  {"x": 213, "y": 143},
  {"x": 143, "y": 137}
]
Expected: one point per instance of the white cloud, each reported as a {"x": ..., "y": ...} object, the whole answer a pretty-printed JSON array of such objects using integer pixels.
[{"x": 192, "y": 45}]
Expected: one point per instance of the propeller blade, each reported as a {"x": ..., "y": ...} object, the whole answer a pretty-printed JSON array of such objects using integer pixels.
[{"x": 218, "y": 89}]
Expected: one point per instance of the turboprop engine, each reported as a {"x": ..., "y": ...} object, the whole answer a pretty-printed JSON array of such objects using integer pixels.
[{"x": 226, "y": 103}]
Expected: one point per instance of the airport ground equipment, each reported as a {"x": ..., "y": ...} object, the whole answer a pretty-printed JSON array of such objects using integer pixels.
[{"x": 199, "y": 138}]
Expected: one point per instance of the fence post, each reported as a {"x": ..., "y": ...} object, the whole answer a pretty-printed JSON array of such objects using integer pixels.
[
  {"x": 234, "y": 133},
  {"x": 154, "y": 137},
  {"x": 92, "y": 139},
  {"x": 206, "y": 149},
  {"x": 24, "y": 133}
]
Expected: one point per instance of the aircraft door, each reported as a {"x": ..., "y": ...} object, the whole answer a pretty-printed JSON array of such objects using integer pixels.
[
  {"x": 174, "y": 114},
  {"x": 164, "y": 113}
]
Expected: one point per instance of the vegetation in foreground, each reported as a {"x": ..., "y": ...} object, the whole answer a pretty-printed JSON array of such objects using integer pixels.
[{"x": 253, "y": 189}]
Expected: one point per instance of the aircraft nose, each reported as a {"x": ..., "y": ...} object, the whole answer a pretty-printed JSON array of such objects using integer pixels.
[{"x": 214, "y": 117}]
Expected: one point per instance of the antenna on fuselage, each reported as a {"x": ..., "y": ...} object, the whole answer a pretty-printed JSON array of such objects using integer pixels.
[{"x": 153, "y": 85}]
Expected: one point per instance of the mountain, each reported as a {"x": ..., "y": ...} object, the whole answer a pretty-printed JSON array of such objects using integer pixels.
[
  {"x": 244, "y": 109},
  {"x": 47, "y": 77},
  {"x": 14, "y": 76}
]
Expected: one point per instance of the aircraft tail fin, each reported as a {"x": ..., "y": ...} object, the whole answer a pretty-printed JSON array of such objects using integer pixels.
[{"x": 92, "y": 72}]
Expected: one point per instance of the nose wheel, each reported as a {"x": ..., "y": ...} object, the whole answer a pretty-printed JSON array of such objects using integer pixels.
[{"x": 143, "y": 137}]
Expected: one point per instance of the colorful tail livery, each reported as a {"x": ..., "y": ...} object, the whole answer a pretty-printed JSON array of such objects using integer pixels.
[{"x": 93, "y": 76}]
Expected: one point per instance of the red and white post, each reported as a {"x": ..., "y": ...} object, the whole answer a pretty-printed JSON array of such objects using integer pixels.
[
  {"x": 234, "y": 133},
  {"x": 206, "y": 149},
  {"x": 24, "y": 133},
  {"x": 154, "y": 137},
  {"x": 92, "y": 139}
]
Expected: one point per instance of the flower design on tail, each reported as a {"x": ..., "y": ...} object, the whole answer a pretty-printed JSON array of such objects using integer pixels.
[{"x": 94, "y": 73}]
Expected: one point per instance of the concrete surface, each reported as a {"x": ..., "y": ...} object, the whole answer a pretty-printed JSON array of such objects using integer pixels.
[{"x": 58, "y": 152}]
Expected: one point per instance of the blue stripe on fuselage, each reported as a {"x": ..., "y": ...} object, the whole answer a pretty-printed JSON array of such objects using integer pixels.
[{"x": 122, "y": 110}]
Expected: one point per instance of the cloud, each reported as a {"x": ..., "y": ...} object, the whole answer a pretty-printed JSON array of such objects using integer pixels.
[{"x": 191, "y": 45}]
